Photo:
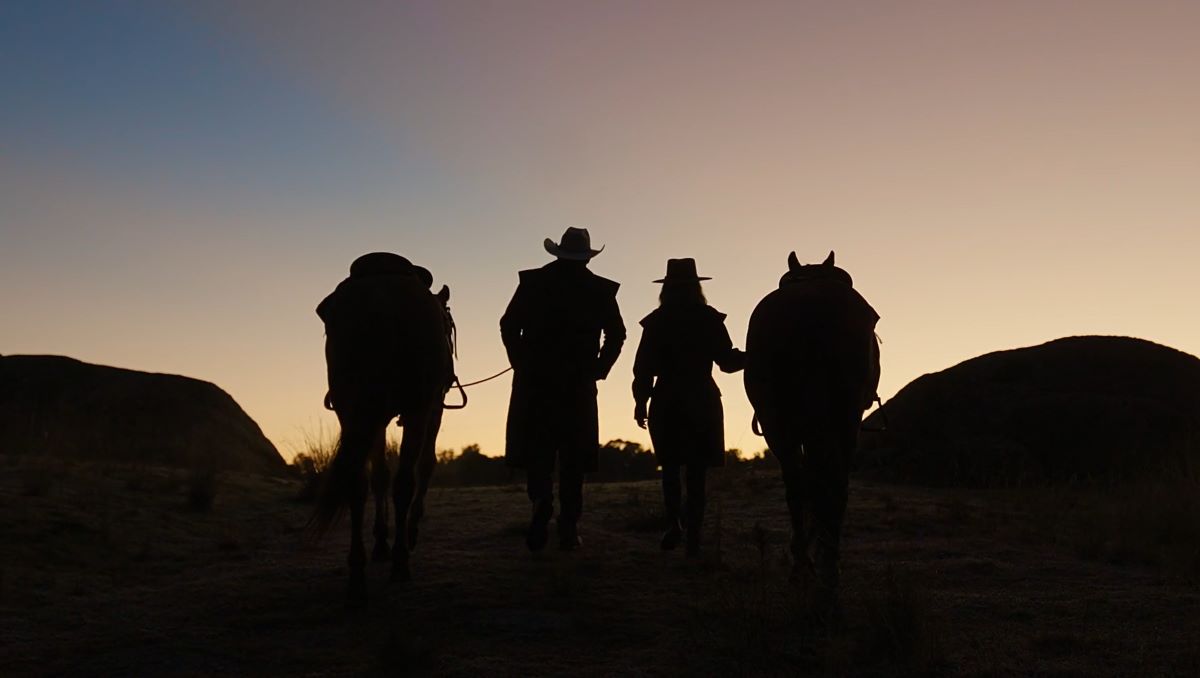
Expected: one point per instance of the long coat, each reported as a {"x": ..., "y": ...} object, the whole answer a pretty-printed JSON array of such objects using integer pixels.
[
  {"x": 552, "y": 332},
  {"x": 673, "y": 369}
]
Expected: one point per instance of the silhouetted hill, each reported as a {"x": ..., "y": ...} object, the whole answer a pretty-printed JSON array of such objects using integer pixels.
[
  {"x": 1101, "y": 409},
  {"x": 51, "y": 405}
]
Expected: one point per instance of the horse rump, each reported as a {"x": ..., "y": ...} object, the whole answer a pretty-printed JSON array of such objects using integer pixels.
[{"x": 386, "y": 354}]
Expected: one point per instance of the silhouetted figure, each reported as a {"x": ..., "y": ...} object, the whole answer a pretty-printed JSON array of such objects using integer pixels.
[
  {"x": 680, "y": 342},
  {"x": 551, "y": 331},
  {"x": 387, "y": 353},
  {"x": 812, "y": 369}
]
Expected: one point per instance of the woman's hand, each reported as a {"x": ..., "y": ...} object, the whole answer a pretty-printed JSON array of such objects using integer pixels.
[{"x": 639, "y": 414}]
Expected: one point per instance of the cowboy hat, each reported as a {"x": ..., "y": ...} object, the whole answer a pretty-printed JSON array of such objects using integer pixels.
[
  {"x": 681, "y": 270},
  {"x": 575, "y": 245}
]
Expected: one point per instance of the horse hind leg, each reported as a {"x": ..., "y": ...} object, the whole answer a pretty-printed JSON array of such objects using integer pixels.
[
  {"x": 357, "y": 592},
  {"x": 404, "y": 487},
  {"x": 425, "y": 466},
  {"x": 799, "y": 499},
  {"x": 380, "y": 483},
  {"x": 357, "y": 588}
]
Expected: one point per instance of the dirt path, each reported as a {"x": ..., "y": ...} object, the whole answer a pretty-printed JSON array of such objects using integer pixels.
[{"x": 104, "y": 579}]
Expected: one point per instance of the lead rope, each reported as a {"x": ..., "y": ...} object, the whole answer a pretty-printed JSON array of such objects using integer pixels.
[
  {"x": 462, "y": 388},
  {"x": 462, "y": 392},
  {"x": 757, "y": 429},
  {"x": 498, "y": 374}
]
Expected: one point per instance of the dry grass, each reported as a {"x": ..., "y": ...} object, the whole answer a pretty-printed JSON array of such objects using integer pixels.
[
  {"x": 642, "y": 511},
  {"x": 1153, "y": 523},
  {"x": 38, "y": 480},
  {"x": 759, "y": 622},
  {"x": 109, "y": 567},
  {"x": 312, "y": 457},
  {"x": 901, "y": 628}
]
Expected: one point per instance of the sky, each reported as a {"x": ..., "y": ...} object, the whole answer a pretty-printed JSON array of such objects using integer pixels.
[{"x": 182, "y": 182}]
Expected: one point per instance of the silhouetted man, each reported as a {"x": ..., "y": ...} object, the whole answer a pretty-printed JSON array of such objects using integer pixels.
[{"x": 551, "y": 331}]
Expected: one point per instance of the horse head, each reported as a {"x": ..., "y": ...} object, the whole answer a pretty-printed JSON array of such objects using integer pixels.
[{"x": 825, "y": 270}]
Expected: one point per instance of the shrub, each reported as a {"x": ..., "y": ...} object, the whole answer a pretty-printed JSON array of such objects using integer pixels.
[{"x": 313, "y": 456}]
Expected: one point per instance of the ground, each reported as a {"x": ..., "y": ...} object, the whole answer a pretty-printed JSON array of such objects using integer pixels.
[{"x": 129, "y": 570}]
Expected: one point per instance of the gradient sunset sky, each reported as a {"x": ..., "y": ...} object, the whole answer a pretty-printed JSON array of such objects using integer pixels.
[{"x": 181, "y": 183}]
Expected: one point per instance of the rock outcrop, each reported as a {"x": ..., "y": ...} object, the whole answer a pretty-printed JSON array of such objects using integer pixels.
[
  {"x": 57, "y": 406},
  {"x": 1098, "y": 409}
]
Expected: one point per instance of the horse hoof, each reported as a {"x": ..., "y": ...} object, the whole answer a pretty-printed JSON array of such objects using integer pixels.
[
  {"x": 381, "y": 553},
  {"x": 671, "y": 537},
  {"x": 400, "y": 572},
  {"x": 356, "y": 594},
  {"x": 414, "y": 517}
]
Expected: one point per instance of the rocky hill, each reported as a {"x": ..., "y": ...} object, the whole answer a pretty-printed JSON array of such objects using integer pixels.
[
  {"x": 1101, "y": 409},
  {"x": 57, "y": 406}
]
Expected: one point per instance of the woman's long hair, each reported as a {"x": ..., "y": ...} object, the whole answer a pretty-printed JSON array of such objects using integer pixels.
[{"x": 682, "y": 294}]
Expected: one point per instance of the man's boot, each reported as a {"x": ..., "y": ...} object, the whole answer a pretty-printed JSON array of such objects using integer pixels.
[
  {"x": 673, "y": 535},
  {"x": 539, "y": 525},
  {"x": 695, "y": 522},
  {"x": 568, "y": 535}
]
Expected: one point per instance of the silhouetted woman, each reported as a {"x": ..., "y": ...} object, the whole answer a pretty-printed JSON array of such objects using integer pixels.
[{"x": 680, "y": 342}]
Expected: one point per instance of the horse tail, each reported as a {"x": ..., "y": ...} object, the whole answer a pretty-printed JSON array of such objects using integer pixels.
[{"x": 343, "y": 480}]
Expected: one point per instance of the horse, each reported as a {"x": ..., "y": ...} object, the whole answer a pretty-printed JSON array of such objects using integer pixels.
[
  {"x": 812, "y": 368},
  {"x": 388, "y": 355}
]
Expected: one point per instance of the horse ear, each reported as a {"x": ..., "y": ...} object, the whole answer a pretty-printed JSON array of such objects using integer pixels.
[
  {"x": 444, "y": 294},
  {"x": 828, "y": 260},
  {"x": 793, "y": 262}
]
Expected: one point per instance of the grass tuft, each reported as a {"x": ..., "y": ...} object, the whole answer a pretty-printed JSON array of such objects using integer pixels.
[
  {"x": 900, "y": 629},
  {"x": 313, "y": 456}
]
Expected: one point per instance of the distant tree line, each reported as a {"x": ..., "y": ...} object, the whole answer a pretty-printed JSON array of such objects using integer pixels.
[{"x": 620, "y": 460}]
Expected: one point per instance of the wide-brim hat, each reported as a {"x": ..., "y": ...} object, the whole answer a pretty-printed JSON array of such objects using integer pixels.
[
  {"x": 575, "y": 245},
  {"x": 680, "y": 271}
]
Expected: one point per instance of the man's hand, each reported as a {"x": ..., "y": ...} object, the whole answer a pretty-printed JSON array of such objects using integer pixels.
[
  {"x": 329, "y": 400},
  {"x": 639, "y": 414}
]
